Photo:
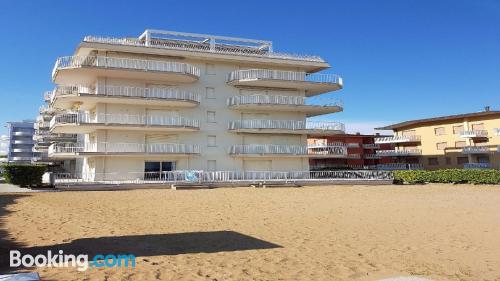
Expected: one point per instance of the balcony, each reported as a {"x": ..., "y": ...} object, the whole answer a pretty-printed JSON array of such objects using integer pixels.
[
  {"x": 22, "y": 133},
  {"x": 69, "y": 150},
  {"x": 477, "y": 166},
  {"x": 371, "y": 146},
  {"x": 398, "y": 139},
  {"x": 405, "y": 152},
  {"x": 81, "y": 123},
  {"x": 25, "y": 141},
  {"x": 41, "y": 125},
  {"x": 66, "y": 96},
  {"x": 22, "y": 149},
  {"x": 20, "y": 158},
  {"x": 474, "y": 134},
  {"x": 311, "y": 107},
  {"x": 372, "y": 156},
  {"x": 286, "y": 127},
  {"x": 285, "y": 150},
  {"x": 313, "y": 84},
  {"x": 399, "y": 166},
  {"x": 85, "y": 70},
  {"x": 475, "y": 150}
]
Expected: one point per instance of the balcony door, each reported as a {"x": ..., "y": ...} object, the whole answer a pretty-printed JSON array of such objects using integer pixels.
[{"x": 158, "y": 170}]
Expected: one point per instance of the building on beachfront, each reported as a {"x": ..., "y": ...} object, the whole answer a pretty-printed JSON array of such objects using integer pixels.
[
  {"x": 20, "y": 141},
  {"x": 165, "y": 101},
  {"x": 470, "y": 140},
  {"x": 358, "y": 151}
]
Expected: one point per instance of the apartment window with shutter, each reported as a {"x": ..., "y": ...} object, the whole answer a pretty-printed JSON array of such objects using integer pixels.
[
  {"x": 212, "y": 141},
  {"x": 210, "y": 69},
  {"x": 211, "y": 116},
  {"x": 460, "y": 144},
  {"x": 409, "y": 133},
  {"x": 478, "y": 127},
  {"x": 211, "y": 165},
  {"x": 441, "y": 145},
  {"x": 439, "y": 131},
  {"x": 448, "y": 160},
  {"x": 433, "y": 161},
  {"x": 210, "y": 93},
  {"x": 462, "y": 160},
  {"x": 458, "y": 129}
]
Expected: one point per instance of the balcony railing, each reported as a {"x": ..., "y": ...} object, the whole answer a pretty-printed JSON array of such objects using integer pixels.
[
  {"x": 399, "y": 166},
  {"x": 497, "y": 131},
  {"x": 372, "y": 156},
  {"x": 282, "y": 100},
  {"x": 206, "y": 177},
  {"x": 475, "y": 149},
  {"x": 124, "y": 63},
  {"x": 86, "y": 118},
  {"x": 167, "y": 93},
  {"x": 286, "y": 125},
  {"x": 254, "y": 74},
  {"x": 397, "y": 139},
  {"x": 474, "y": 134},
  {"x": 263, "y": 149},
  {"x": 405, "y": 152},
  {"x": 200, "y": 47},
  {"x": 107, "y": 147},
  {"x": 371, "y": 146},
  {"x": 477, "y": 166}
]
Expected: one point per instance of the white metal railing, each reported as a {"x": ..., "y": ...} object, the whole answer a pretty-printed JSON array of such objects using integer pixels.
[
  {"x": 402, "y": 152},
  {"x": 282, "y": 100},
  {"x": 371, "y": 156},
  {"x": 200, "y": 47},
  {"x": 253, "y": 74},
  {"x": 396, "y": 139},
  {"x": 128, "y": 91},
  {"x": 399, "y": 166},
  {"x": 101, "y": 118},
  {"x": 475, "y": 149},
  {"x": 286, "y": 125},
  {"x": 69, "y": 148},
  {"x": 287, "y": 149},
  {"x": 206, "y": 177},
  {"x": 124, "y": 63},
  {"x": 325, "y": 143},
  {"x": 107, "y": 147},
  {"x": 474, "y": 134},
  {"x": 477, "y": 166},
  {"x": 371, "y": 145}
]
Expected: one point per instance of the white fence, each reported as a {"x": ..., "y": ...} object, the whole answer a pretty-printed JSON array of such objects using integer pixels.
[
  {"x": 253, "y": 74},
  {"x": 282, "y": 100},
  {"x": 286, "y": 125}
]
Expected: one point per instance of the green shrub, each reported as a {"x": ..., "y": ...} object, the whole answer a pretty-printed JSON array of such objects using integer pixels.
[
  {"x": 475, "y": 176},
  {"x": 24, "y": 175}
]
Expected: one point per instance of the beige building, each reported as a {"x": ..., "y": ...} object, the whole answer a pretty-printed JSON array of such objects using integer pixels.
[
  {"x": 169, "y": 101},
  {"x": 469, "y": 140}
]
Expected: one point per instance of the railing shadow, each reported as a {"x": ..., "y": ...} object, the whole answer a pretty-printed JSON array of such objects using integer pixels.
[
  {"x": 7, "y": 242},
  {"x": 158, "y": 244}
]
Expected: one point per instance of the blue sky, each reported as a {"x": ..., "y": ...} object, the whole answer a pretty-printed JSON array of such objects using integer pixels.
[{"x": 400, "y": 59}]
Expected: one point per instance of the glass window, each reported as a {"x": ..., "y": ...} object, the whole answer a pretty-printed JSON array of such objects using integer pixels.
[
  {"x": 478, "y": 127},
  {"x": 439, "y": 131},
  {"x": 212, "y": 141},
  {"x": 462, "y": 160},
  {"x": 210, "y": 93},
  {"x": 433, "y": 161},
  {"x": 460, "y": 144},
  {"x": 409, "y": 133},
  {"x": 211, "y": 116},
  {"x": 210, "y": 69},
  {"x": 458, "y": 129},
  {"x": 441, "y": 145},
  {"x": 448, "y": 160}
]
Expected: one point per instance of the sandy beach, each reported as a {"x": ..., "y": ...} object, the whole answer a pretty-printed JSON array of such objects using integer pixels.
[{"x": 441, "y": 232}]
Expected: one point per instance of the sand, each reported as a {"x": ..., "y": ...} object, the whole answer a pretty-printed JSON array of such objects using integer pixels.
[{"x": 440, "y": 232}]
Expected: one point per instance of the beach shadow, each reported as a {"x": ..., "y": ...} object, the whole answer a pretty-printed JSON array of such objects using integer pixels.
[
  {"x": 159, "y": 244},
  {"x": 7, "y": 242}
]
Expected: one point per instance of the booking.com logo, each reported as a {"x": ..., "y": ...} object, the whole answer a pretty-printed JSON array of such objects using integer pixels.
[{"x": 81, "y": 262}]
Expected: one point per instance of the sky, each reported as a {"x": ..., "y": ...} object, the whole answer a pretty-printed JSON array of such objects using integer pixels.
[{"x": 400, "y": 59}]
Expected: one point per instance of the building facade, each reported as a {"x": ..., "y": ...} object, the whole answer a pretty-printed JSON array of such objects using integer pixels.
[
  {"x": 20, "y": 144},
  {"x": 180, "y": 101},
  {"x": 358, "y": 152},
  {"x": 469, "y": 140}
]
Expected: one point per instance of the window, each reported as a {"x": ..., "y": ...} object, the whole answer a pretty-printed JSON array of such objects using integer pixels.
[
  {"x": 157, "y": 170},
  {"x": 478, "y": 127},
  {"x": 212, "y": 141},
  {"x": 460, "y": 144},
  {"x": 433, "y": 161},
  {"x": 458, "y": 129},
  {"x": 439, "y": 131},
  {"x": 211, "y": 116},
  {"x": 209, "y": 69},
  {"x": 448, "y": 160},
  {"x": 441, "y": 145},
  {"x": 409, "y": 133},
  {"x": 211, "y": 165},
  {"x": 462, "y": 160},
  {"x": 210, "y": 93}
]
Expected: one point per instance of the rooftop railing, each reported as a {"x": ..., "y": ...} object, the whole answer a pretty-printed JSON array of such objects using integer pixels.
[
  {"x": 255, "y": 74},
  {"x": 396, "y": 139},
  {"x": 282, "y": 100},
  {"x": 125, "y": 119},
  {"x": 124, "y": 63},
  {"x": 207, "y": 177},
  {"x": 402, "y": 152},
  {"x": 286, "y": 125},
  {"x": 200, "y": 47},
  {"x": 474, "y": 134},
  {"x": 169, "y": 93}
]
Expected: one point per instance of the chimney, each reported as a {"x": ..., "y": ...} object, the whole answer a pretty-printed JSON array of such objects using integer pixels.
[{"x": 487, "y": 108}]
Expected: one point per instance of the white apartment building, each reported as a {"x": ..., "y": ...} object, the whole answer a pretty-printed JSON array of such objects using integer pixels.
[{"x": 187, "y": 102}]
